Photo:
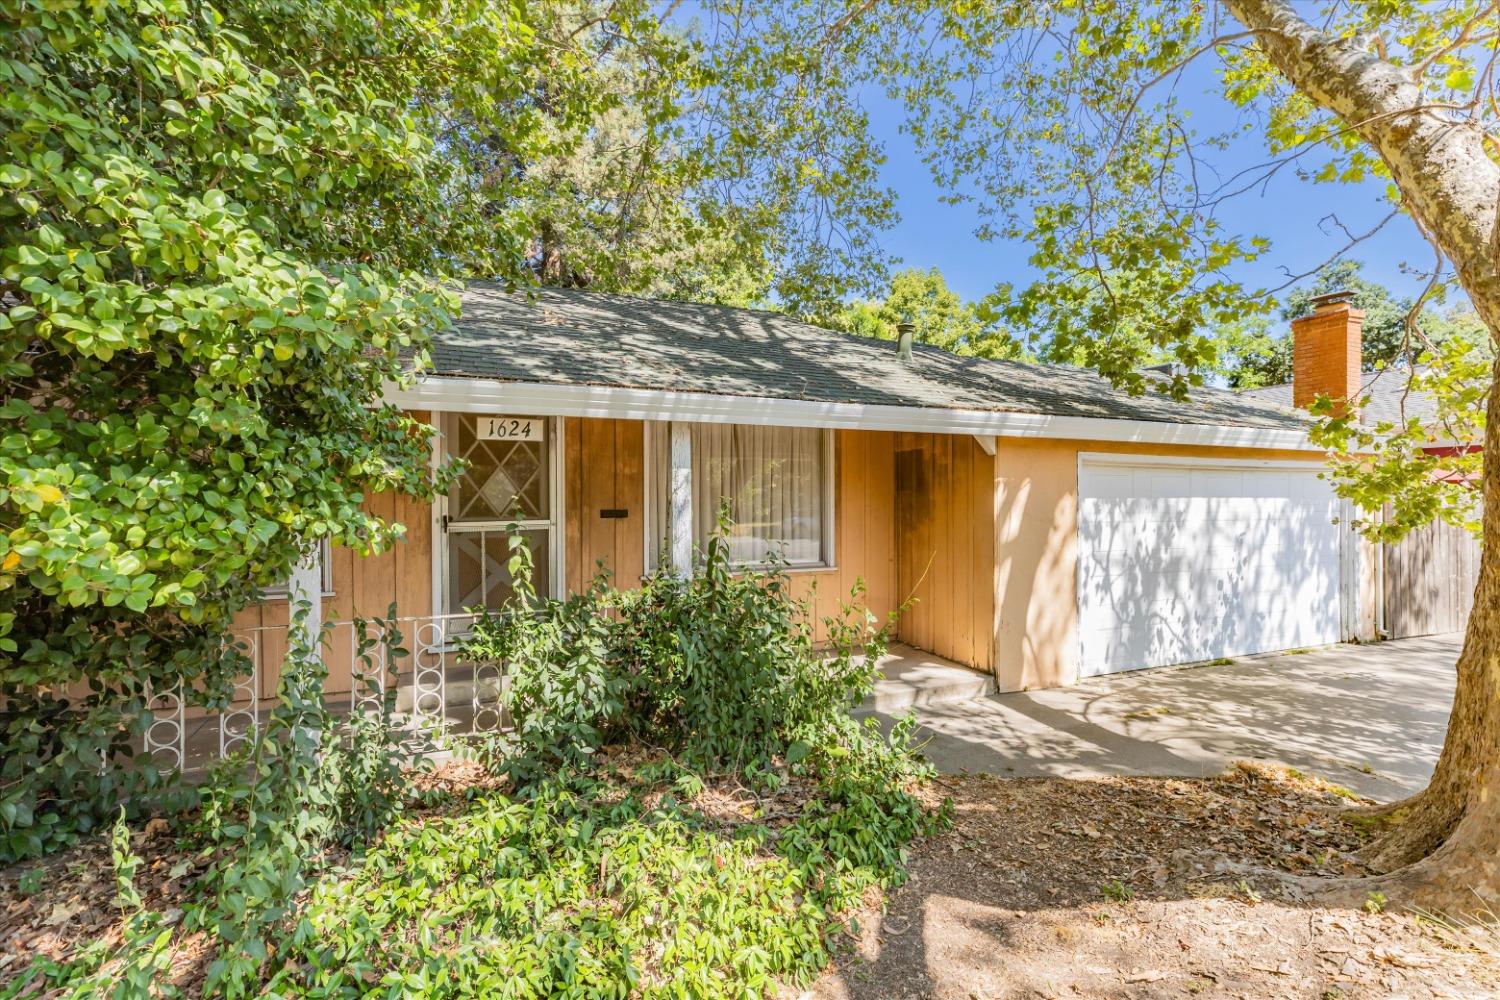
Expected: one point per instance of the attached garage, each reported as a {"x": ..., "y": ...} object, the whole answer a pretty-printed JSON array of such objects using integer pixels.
[{"x": 1182, "y": 560}]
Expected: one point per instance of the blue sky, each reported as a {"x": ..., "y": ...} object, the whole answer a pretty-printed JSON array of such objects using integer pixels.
[{"x": 1287, "y": 212}]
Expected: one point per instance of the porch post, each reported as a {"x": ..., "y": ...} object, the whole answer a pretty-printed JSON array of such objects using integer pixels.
[
  {"x": 680, "y": 500},
  {"x": 306, "y": 584}
]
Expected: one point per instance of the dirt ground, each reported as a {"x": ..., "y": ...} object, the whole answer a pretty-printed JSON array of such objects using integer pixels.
[
  {"x": 1134, "y": 888},
  {"x": 1044, "y": 888}
]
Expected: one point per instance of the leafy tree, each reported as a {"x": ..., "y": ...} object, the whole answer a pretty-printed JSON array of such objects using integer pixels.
[
  {"x": 1254, "y": 352},
  {"x": 729, "y": 173},
  {"x": 939, "y": 316},
  {"x": 221, "y": 233},
  {"x": 1068, "y": 125},
  {"x": 225, "y": 228}
]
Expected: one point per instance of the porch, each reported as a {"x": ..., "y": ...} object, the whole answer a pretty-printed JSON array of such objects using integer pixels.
[
  {"x": 913, "y": 678},
  {"x": 865, "y": 521}
]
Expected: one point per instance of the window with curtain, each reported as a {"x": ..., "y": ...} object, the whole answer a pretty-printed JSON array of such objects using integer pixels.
[{"x": 773, "y": 481}]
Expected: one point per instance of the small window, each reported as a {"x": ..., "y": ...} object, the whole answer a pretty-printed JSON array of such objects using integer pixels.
[
  {"x": 775, "y": 482},
  {"x": 325, "y": 564}
]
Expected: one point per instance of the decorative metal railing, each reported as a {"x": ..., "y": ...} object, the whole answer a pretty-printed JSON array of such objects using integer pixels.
[{"x": 438, "y": 693}]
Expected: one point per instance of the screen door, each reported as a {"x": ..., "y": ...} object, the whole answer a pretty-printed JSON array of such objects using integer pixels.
[{"x": 509, "y": 486}]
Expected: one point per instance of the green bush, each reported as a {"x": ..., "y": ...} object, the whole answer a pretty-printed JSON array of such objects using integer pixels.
[
  {"x": 565, "y": 698},
  {"x": 269, "y": 817},
  {"x": 720, "y": 667},
  {"x": 214, "y": 256},
  {"x": 604, "y": 873}
]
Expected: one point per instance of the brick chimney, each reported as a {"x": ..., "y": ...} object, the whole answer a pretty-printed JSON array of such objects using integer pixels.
[{"x": 1326, "y": 350}]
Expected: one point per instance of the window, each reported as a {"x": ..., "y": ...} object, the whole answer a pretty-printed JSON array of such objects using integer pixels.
[
  {"x": 775, "y": 482},
  {"x": 509, "y": 480},
  {"x": 325, "y": 565}
]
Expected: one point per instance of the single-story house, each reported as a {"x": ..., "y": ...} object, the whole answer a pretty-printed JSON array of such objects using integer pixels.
[
  {"x": 1048, "y": 526},
  {"x": 1425, "y": 583}
]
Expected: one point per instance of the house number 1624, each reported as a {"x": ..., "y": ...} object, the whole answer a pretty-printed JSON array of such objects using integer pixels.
[{"x": 511, "y": 428}]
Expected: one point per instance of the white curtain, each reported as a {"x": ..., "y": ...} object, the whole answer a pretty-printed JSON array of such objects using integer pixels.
[{"x": 772, "y": 481}]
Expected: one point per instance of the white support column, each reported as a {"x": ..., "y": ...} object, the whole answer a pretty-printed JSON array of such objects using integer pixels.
[
  {"x": 680, "y": 499},
  {"x": 306, "y": 584}
]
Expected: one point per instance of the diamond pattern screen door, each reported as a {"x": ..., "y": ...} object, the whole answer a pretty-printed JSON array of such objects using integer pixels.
[{"x": 509, "y": 479}]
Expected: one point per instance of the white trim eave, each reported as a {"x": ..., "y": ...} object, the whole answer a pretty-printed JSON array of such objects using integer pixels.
[
  {"x": 1116, "y": 458},
  {"x": 479, "y": 395}
]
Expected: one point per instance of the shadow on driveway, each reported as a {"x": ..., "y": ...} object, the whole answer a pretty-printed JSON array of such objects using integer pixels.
[{"x": 1371, "y": 718}]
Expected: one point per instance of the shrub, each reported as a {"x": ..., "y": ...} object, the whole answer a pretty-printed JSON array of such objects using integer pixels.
[
  {"x": 614, "y": 870},
  {"x": 309, "y": 782},
  {"x": 724, "y": 667},
  {"x": 720, "y": 667},
  {"x": 566, "y": 698}
]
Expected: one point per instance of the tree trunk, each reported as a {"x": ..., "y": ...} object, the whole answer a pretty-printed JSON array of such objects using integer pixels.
[
  {"x": 1448, "y": 837},
  {"x": 1464, "y": 784}
]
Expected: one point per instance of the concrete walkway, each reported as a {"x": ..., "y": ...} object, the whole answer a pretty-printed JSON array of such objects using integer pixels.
[
  {"x": 1371, "y": 718},
  {"x": 914, "y": 678}
]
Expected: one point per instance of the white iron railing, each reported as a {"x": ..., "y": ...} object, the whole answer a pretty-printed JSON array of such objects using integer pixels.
[{"x": 438, "y": 693}]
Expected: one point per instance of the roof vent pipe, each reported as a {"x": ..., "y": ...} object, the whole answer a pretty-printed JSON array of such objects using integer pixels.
[{"x": 905, "y": 330}]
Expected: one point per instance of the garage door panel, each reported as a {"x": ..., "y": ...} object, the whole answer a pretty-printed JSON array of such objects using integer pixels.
[
  {"x": 1182, "y": 564},
  {"x": 1219, "y": 484}
]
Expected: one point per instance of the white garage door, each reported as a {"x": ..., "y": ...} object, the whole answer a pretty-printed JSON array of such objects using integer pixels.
[{"x": 1181, "y": 561}]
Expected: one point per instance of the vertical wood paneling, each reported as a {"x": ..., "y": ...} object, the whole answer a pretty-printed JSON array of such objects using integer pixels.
[
  {"x": 362, "y": 586},
  {"x": 572, "y": 490},
  {"x": 945, "y": 534},
  {"x": 864, "y": 532},
  {"x": 604, "y": 471},
  {"x": 630, "y": 493},
  {"x": 414, "y": 559},
  {"x": 983, "y": 514},
  {"x": 272, "y": 645},
  {"x": 1430, "y": 577}
]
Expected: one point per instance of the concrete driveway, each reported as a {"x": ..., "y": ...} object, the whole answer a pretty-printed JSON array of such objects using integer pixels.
[{"x": 1371, "y": 718}]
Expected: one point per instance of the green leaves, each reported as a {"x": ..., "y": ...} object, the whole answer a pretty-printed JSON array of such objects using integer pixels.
[
  {"x": 938, "y": 316},
  {"x": 720, "y": 668},
  {"x": 1403, "y": 473},
  {"x": 194, "y": 338}
]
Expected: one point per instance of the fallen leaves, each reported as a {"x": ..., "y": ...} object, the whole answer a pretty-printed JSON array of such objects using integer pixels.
[
  {"x": 1205, "y": 917},
  {"x": 63, "y": 913}
]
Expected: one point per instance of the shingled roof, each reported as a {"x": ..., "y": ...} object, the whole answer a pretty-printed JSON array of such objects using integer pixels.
[
  {"x": 571, "y": 337},
  {"x": 1386, "y": 395}
]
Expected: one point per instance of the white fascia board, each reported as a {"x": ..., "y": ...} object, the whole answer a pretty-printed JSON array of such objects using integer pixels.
[
  {"x": 478, "y": 395},
  {"x": 1128, "y": 460}
]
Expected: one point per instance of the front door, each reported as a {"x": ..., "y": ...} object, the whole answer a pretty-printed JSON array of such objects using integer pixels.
[{"x": 509, "y": 485}]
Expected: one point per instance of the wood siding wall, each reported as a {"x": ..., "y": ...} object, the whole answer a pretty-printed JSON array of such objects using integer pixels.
[
  {"x": 1430, "y": 577},
  {"x": 363, "y": 586},
  {"x": 604, "y": 473},
  {"x": 945, "y": 529}
]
